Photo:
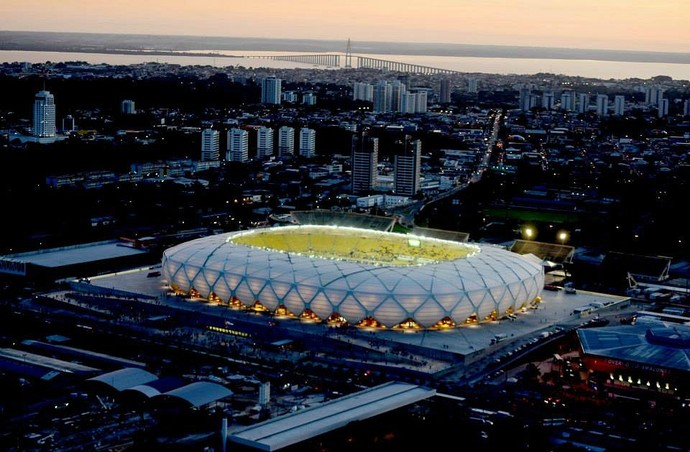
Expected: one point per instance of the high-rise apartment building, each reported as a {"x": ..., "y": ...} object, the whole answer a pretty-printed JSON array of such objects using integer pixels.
[
  {"x": 663, "y": 108},
  {"x": 271, "y": 90},
  {"x": 364, "y": 162},
  {"x": 307, "y": 142},
  {"x": 407, "y": 166},
  {"x": 238, "y": 145},
  {"x": 127, "y": 107},
  {"x": 686, "y": 107},
  {"x": 363, "y": 91},
  {"x": 547, "y": 100},
  {"x": 44, "y": 115},
  {"x": 525, "y": 98},
  {"x": 383, "y": 97},
  {"x": 619, "y": 105},
  {"x": 602, "y": 104},
  {"x": 472, "y": 85},
  {"x": 444, "y": 91},
  {"x": 264, "y": 142},
  {"x": 567, "y": 101},
  {"x": 286, "y": 141},
  {"x": 582, "y": 103},
  {"x": 210, "y": 145}
]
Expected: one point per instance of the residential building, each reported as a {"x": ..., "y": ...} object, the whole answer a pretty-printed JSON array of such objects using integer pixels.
[
  {"x": 44, "y": 115},
  {"x": 364, "y": 162},
  {"x": 238, "y": 145},
  {"x": 407, "y": 166},
  {"x": 286, "y": 141},
  {"x": 307, "y": 142},
  {"x": 210, "y": 145}
]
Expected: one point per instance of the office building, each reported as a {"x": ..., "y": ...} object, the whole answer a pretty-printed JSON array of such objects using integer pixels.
[
  {"x": 364, "y": 162},
  {"x": 286, "y": 141},
  {"x": 238, "y": 145},
  {"x": 44, "y": 115},
  {"x": 307, "y": 142},
  {"x": 264, "y": 142},
  {"x": 210, "y": 145},
  {"x": 271, "y": 90},
  {"x": 407, "y": 166}
]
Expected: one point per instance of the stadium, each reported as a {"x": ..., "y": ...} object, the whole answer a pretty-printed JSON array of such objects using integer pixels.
[{"x": 355, "y": 276}]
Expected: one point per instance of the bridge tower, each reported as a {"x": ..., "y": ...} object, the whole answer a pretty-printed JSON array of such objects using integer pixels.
[{"x": 348, "y": 54}]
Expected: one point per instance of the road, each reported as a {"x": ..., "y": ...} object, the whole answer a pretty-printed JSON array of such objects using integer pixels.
[{"x": 408, "y": 213}]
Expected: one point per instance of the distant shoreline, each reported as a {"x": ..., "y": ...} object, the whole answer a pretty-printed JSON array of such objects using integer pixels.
[{"x": 129, "y": 44}]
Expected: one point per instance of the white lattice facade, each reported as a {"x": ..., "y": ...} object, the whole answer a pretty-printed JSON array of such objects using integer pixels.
[{"x": 485, "y": 284}]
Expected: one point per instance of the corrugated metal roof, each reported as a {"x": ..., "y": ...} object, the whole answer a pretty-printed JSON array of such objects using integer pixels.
[{"x": 289, "y": 429}]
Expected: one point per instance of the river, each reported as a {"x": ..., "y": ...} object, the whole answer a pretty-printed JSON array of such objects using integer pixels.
[{"x": 480, "y": 65}]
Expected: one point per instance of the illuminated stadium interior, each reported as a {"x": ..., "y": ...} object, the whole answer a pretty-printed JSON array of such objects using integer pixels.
[{"x": 355, "y": 245}]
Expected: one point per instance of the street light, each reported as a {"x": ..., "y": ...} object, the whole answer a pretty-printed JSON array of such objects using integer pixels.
[
  {"x": 562, "y": 236},
  {"x": 528, "y": 232}
]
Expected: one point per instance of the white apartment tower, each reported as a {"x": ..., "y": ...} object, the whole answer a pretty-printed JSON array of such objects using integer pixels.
[
  {"x": 364, "y": 161},
  {"x": 210, "y": 145},
  {"x": 286, "y": 141},
  {"x": 44, "y": 115},
  {"x": 264, "y": 142},
  {"x": 307, "y": 142},
  {"x": 238, "y": 145},
  {"x": 407, "y": 167},
  {"x": 271, "y": 90}
]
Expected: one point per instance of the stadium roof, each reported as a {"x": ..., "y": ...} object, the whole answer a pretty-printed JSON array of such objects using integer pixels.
[
  {"x": 659, "y": 344},
  {"x": 60, "y": 257},
  {"x": 552, "y": 252},
  {"x": 125, "y": 378},
  {"x": 289, "y": 429},
  {"x": 356, "y": 220},
  {"x": 197, "y": 394}
]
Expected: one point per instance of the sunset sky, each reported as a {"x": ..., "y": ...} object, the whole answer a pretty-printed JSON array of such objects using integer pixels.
[{"x": 654, "y": 25}]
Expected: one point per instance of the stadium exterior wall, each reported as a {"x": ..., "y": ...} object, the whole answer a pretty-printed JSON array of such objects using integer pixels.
[{"x": 491, "y": 282}]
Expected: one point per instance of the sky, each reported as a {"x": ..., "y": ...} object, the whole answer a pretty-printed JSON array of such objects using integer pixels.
[{"x": 648, "y": 25}]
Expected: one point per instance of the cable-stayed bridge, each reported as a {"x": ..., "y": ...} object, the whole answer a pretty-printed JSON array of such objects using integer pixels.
[{"x": 354, "y": 61}]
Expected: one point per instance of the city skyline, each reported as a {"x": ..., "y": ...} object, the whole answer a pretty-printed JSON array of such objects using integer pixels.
[{"x": 612, "y": 25}]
